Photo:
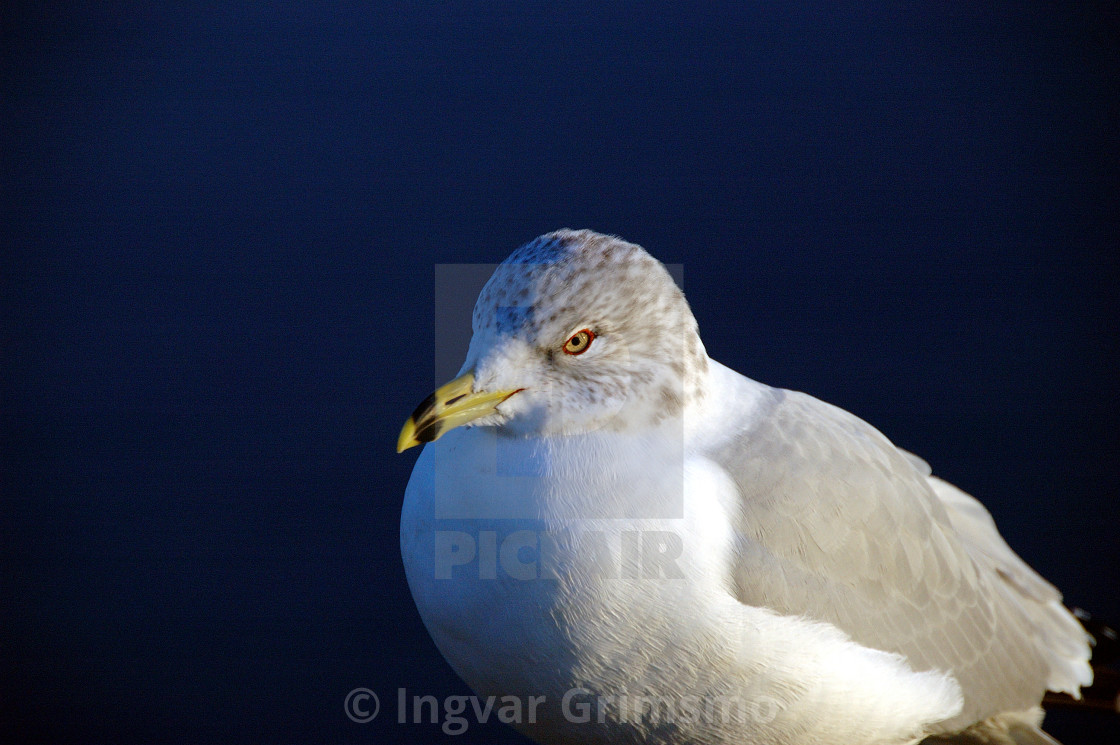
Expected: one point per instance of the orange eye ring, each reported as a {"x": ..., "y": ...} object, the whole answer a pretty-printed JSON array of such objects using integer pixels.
[{"x": 578, "y": 342}]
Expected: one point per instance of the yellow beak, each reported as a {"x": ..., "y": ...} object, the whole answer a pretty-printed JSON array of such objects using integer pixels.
[{"x": 451, "y": 406}]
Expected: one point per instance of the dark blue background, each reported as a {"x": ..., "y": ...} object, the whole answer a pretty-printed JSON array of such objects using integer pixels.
[{"x": 219, "y": 230}]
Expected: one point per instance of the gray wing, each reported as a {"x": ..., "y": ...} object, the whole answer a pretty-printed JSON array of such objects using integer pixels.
[{"x": 839, "y": 525}]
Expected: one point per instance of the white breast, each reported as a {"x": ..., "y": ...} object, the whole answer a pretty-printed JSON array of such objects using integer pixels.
[{"x": 538, "y": 571}]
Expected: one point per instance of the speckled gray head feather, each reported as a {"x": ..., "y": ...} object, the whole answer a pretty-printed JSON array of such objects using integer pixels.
[{"x": 568, "y": 280}]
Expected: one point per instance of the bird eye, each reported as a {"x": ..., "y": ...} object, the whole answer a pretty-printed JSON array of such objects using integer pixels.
[{"x": 579, "y": 342}]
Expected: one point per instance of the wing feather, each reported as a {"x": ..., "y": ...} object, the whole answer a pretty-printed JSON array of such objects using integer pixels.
[{"x": 839, "y": 525}]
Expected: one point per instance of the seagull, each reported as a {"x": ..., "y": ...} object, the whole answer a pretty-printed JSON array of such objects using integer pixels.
[{"x": 613, "y": 538}]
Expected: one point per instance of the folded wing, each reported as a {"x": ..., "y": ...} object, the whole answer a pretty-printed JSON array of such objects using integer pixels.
[{"x": 838, "y": 525}]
